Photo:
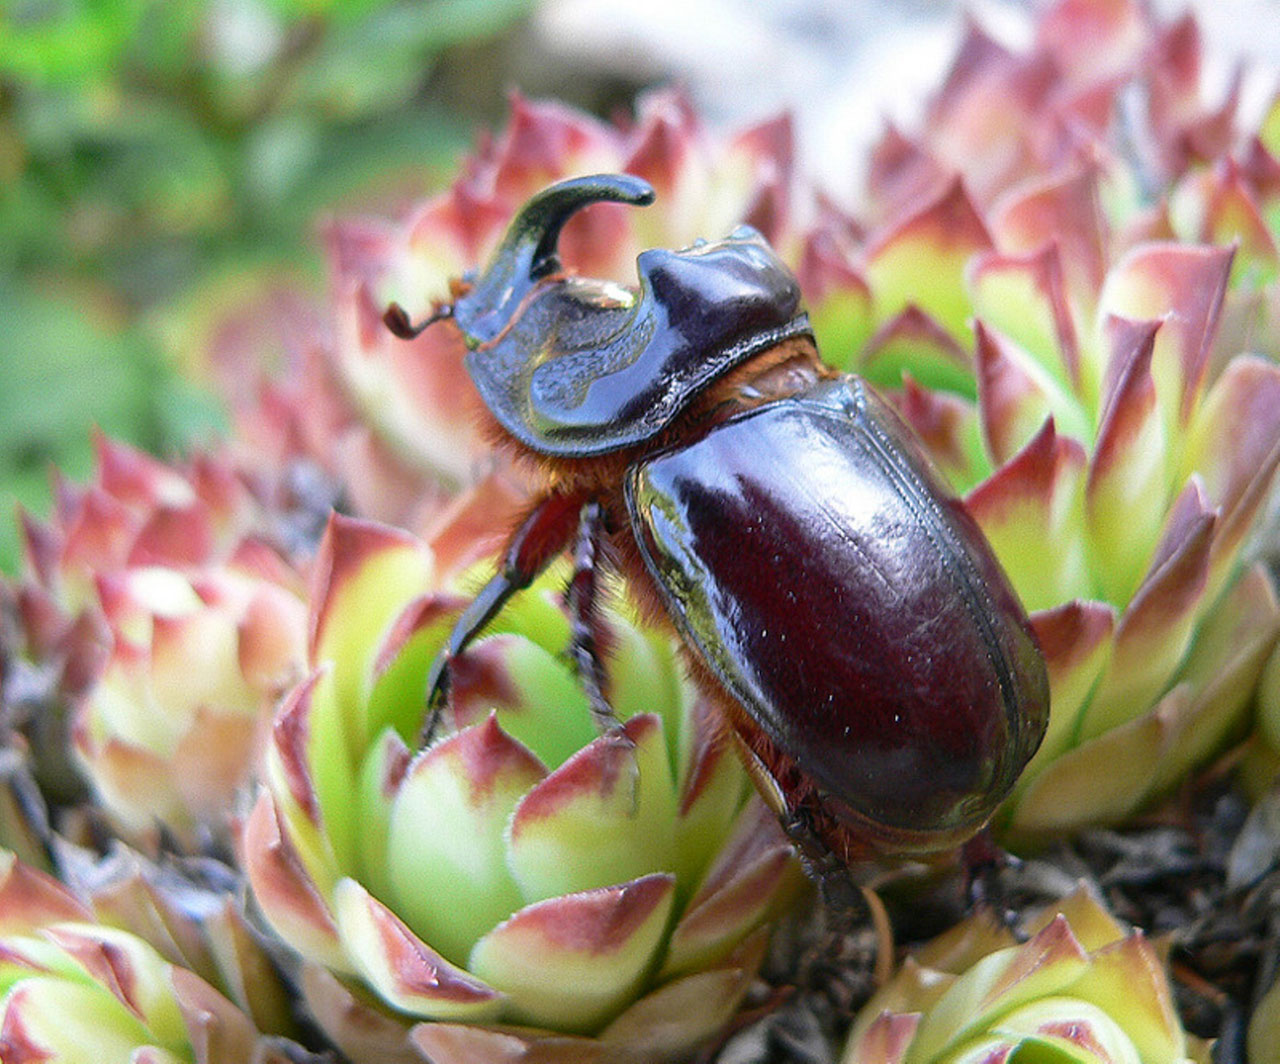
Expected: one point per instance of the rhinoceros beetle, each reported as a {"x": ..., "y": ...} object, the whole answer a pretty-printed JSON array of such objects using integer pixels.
[{"x": 837, "y": 605}]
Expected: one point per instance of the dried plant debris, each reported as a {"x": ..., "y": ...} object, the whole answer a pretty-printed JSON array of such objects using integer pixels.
[{"x": 1205, "y": 887}]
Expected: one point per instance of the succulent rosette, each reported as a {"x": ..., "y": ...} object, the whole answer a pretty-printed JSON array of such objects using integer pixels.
[
  {"x": 171, "y": 627},
  {"x": 74, "y": 990},
  {"x": 136, "y": 510},
  {"x": 1064, "y": 357},
  {"x": 173, "y": 726},
  {"x": 523, "y": 885},
  {"x": 1080, "y": 989}
]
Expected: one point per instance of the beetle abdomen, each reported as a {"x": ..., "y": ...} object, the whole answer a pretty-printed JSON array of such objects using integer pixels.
[{"x": 809, "y": 553}]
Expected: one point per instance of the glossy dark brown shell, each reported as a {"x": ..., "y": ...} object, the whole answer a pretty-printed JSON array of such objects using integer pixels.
[{"x": 811, "y": 555}]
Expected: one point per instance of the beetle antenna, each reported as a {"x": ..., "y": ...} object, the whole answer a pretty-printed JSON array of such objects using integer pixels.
[{"x": 397, "y": 320}]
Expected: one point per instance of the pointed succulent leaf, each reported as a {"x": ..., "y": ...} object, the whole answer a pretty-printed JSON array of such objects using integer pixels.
[
  {"x": 1069, "y": 791},
  {"x": 838, "y": 297},
  {"x": 406, "y": 972},
  {"x": 29, "y": 898},
  {"x": 645, "y": 676},
  {"x": 290, "y": 899},
  {"x": 710, "y": 796},
  {"x": 270, "y": 637},
  {"x": 204, "y": 648},
  {"x": 1094, "y": 39},
  {"x": 913, "y": 989},
  {"x": 1076, "y": 640},
  {"x": 359, "y": 562},
  {"x": 1233, "y": 215},
  {"x": 955, "y": 950},
  {"x": 538, "y": 699},
  {"x": 914, "y": 342},
  {"x": 1183, "y": 285},
  {"x": 381, "y": 777},
  {"x": 219, "y": 1032},
  {"x": 1092, "y": 924},
  {"x": 1033, "y": 504},
  {"x": 987, "y": 145},
  {"x": 1065, "y": 211},
  {"x": 1233, "y": 444},
  {"x": 354, "y": 1018},
  {"x": 1127, "y": 979},
  {"x": 472, "y": 528},
  {"x": 446, "y": 855},
  {"x": 885, "y": 1040},
  {"x": 687, "y": 1011},
  {"x": 921, "y": 261},
  {"x": 737, "y": 893},
  {"x": 901, "y": 171},
  {"x": 130, "y": 970},
  {"x": 948, "y": 427},
  {"x": 134, "y": 783},
  {"x": 570, "y": 962},
  {"x": 1024, "y": 297},
  {"x": 304, "y": 747},
  {"x": 1223, "y": 667},
  {"x": 1155, "y": 629},
  {"x": 1016, "y": 395},
  {"x": 398, "y": 697},
  {"x": 416, "y": 398},
  {"x": 1128, "y": 477},
  {"x": 605, "y": 816}
]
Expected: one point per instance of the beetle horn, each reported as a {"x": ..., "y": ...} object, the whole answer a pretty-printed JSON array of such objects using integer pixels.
[
  {"x": 529, "y": 248},
  {"x": 529, "y": 252}
]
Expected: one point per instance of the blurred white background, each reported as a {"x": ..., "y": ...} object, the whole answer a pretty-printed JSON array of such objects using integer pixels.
[{"x": 843, "y": 66}]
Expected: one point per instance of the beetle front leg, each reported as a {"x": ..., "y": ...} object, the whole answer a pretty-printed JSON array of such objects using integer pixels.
[
  {"x": 541, "y": 536},
  {"x": 582, "y": 602}
]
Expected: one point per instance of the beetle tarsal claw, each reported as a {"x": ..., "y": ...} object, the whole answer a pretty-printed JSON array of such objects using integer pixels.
[{"x": 437, "y": 695}]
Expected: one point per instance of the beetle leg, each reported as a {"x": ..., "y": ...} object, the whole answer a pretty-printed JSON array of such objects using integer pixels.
[
  {"x": 841, "y": 896},
  {"x": 983, "y": 860},
  {"x": 582, "y": 612},
  {"x": 541, "y": 536}
]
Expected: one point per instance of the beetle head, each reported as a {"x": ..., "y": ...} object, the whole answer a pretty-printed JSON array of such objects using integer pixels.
[{"x": 575, "y": 367}]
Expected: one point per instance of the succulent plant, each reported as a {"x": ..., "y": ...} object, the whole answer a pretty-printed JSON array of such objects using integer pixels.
[
  {"x": 190, "y": 910},
  {"x": 1062, "y": 350},
  {"x": 1067, "y": 283},
  {"x": 172, "y": 727},
  {"x": 74, "y": 990},
  {"x": 602, "y": 893},
  {"x": 161, "y": 629},
  {"x": 1079, "y": 989}
]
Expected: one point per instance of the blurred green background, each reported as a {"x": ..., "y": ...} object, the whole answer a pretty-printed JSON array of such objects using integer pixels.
[{"x": 152, "y": 151}]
